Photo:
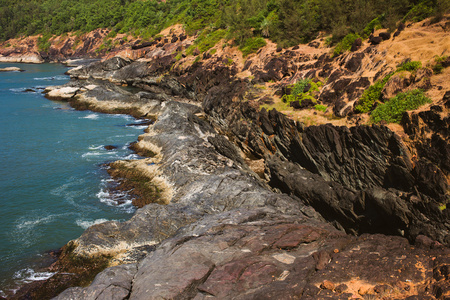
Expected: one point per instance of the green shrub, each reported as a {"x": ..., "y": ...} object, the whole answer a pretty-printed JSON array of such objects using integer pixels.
[
  {"x": 409, "y": 66},
  {"x": 111, "y": 34},
  {"x": 371, "y": 95},
  {"x": 298, "y": 91},
  {"x": 252, "y": 45},
  {"x": 345, "y": 44},
  {"x": 373, "y": 25},
  {"x": 438, "y": 67},
  {"x": 393, "y": 109},
  {"x": 320, "y": 107},
  {"x": 300, "y": 86}
]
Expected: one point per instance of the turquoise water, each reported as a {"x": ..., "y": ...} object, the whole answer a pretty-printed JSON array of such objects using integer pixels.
[{"x": 53, "y": 180}]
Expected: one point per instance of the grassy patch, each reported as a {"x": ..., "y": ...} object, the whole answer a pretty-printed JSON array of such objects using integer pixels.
[
  {"x": 320, "y": 107},
  {"x": 252, "y": 45},
  {"x": 410, "y": 66},
  {"x": 393, "y": 109},
  {"x": 43, "y": 42},
  {"x": 438, "y": 67}
]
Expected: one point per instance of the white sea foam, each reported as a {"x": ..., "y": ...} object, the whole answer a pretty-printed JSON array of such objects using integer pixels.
[
  {"x": 132, "y": 157},
  {"x": 127, "y": 117},
  {"x": 116, "y": 199},
  {"x": 93, "y": 147},
  {"x": 28, "y": 275},
  {"x": 26, "y": 224},
  {"x": 91, "y": 116},
  {"x": 85, "y": 224},
  {"x": 57, "y": 77},
  {"x": 98, "y": 153},
  {"x": 140, "y": 127},
  {"x": 17, "y": 90}
]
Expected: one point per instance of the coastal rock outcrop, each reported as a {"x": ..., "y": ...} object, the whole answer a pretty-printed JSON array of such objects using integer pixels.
[
  {"x": 264, "y": 254},
  {"x": 241, "y": 202}
]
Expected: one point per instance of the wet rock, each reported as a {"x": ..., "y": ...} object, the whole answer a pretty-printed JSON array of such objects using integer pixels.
[{"x": 110, "y": 147}]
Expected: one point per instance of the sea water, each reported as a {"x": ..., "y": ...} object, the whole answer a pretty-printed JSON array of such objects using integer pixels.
[{"x": 53, "y": 178}]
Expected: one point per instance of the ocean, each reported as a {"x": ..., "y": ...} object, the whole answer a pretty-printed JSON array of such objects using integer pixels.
[{"x": 53, "y": 179}]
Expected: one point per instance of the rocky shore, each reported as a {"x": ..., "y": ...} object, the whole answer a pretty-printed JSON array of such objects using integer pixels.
[{"x": 241, "y": 202}]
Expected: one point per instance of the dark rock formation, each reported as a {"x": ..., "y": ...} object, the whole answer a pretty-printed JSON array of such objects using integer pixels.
[
  {"x": 356, "y": 45},
  {"x": 260, "y": 254},
  {"x": 232, "y": 236}
]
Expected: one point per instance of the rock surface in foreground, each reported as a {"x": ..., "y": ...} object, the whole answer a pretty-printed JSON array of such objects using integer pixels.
[{"x": 264, "y": 254}]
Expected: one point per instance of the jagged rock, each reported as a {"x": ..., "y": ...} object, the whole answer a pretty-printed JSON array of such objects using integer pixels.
[
  {"x": 261, "y": 254},
  {"x": 398, "y": 82},
  {"x": 354, "y": 63},
  {"x": 114, "y": 283}
]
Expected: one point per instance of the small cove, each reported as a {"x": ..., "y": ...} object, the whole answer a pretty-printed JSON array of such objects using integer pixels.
[{"x": 54, "y": 181}]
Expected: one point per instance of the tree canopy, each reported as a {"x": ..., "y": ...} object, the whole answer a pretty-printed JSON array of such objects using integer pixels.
[{"x": 286, "y": 22}]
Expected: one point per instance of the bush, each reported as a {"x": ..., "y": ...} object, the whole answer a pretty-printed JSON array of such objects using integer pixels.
[
  {"x": 392, "y": 111},
  {"x": 410, "y": 66},
  {"x": 345, "y": 44},
  {"x": 373, "y": 25},
  {"x": 299, "y": 93},
  {"x": 320, "y": 107},
  {"x": 438, "y": 67},
  {"x": 252, "y": 45},
  {"x": 371, "y": 95},
  {"x": 210, "y": 40}
]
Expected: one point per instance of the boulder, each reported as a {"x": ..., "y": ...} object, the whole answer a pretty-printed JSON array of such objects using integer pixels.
[{"x": 397, "y": 83}]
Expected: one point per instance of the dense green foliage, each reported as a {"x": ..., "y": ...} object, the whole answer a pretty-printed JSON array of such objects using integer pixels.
[
  {"x": 303, "y": 89},
  {"x": 373, "y": 93},
  {"x": 393, "y": 109},
  {"x": 286, "y": 22}
]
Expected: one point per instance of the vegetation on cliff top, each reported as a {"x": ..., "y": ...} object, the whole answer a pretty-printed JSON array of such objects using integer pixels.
[{"x": 285, "y": 22}]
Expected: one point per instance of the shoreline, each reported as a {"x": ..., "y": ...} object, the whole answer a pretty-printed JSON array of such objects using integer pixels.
[
  {"x": 203, "y": 166},
  {"x": 44, "y": 267}
]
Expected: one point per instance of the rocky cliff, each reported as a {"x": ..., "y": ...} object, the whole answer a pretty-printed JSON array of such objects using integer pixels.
[{"x": 240, "y": 200}]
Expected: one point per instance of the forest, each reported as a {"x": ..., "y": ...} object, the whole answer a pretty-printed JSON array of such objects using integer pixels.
[{"x": 286, "y": 22}]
